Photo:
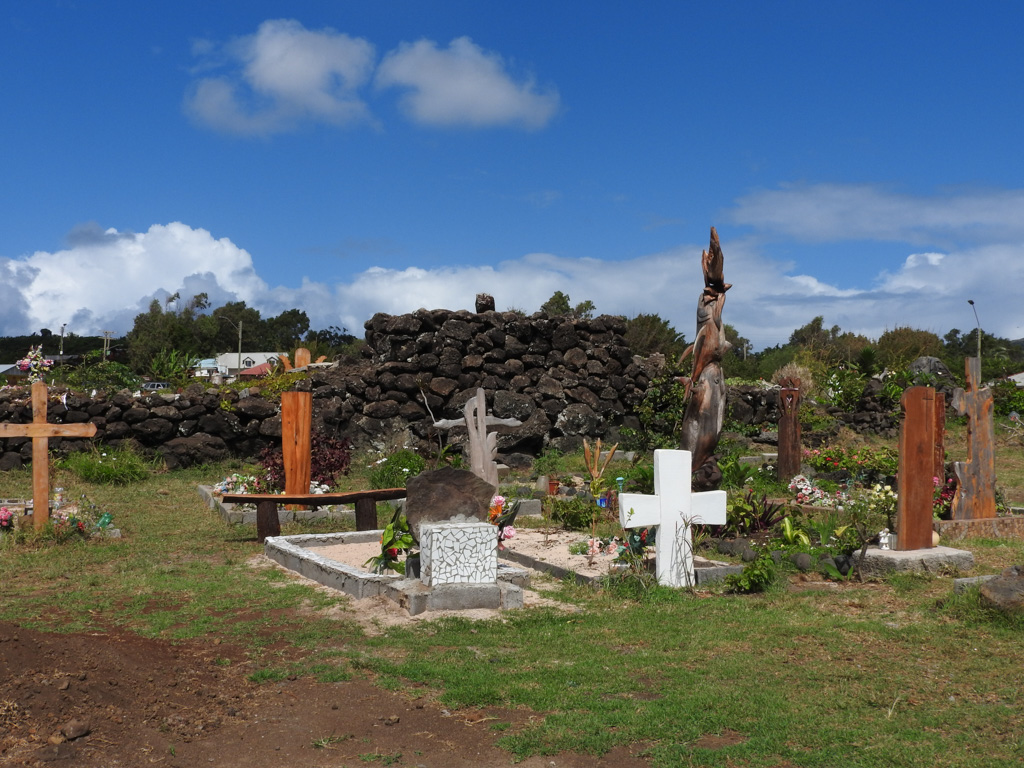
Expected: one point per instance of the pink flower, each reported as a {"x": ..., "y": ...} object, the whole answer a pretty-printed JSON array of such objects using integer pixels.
[{"x": 507, "y": 532}]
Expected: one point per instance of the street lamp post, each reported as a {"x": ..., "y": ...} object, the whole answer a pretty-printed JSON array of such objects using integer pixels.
[
  {"x": 61, "y": 353},
  {"x": 977, "y": 322},
  {"x": 239, "y": 329}
]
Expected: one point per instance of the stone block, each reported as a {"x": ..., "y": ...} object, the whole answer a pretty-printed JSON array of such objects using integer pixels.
[
  {"x": 458, "y": 553},
  {"x": 936, "y": 560}
]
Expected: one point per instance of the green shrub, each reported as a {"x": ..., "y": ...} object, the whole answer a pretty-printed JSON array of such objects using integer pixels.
[
  {"x": 575, "y": 514},
  {"x": 109, "y": 466},
  {"x": 758, "y": 576},
  {"x": 1008, "y": 397},
  {"x": 396, "y": 469}
]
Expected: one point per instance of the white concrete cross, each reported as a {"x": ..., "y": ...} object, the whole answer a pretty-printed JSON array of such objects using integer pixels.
[{"x": 673, "y": 508}]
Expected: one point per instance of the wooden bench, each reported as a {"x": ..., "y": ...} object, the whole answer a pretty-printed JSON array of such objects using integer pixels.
[{"x": 268, "y": 523}]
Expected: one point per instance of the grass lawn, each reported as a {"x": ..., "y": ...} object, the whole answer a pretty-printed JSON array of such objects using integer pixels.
[{"x": 893, "y": 673}]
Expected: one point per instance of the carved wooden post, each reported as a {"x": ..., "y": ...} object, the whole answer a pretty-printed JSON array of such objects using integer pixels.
[
  {"x": 976, "y": 495},
  {"x": 483, "y": 447},
  {"x": 916, "y": 468},
  {"x": 789, "y": 429},
  {"x": 41, "y": 432},
  {"x": 702, "y": 422},
  {"x": 296, "y": 418}
]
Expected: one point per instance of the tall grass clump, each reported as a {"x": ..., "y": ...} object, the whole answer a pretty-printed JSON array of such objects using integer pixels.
[{"x": 108, "y": 466}]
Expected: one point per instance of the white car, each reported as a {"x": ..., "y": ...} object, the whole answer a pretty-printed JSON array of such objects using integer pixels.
[{"x": 153, "y": 386}]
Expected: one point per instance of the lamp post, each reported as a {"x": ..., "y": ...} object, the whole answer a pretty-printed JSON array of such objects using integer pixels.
[
  {"x": 239, "y": 329},
  {"x": 977, "y": 322},
  {"x": 61, "y": 353}
]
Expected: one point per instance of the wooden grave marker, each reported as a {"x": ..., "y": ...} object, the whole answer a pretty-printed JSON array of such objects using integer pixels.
[
  {"x": 976, "y": 478},
  {"x": 673, "y": 508},
  {"x": 296, "y": 424},
  {"x": 789, "y": 429},
  {"x": 916, "y": 469},
  {"x": 41, "y": 431},
  {"x": 483, "y": 446}
]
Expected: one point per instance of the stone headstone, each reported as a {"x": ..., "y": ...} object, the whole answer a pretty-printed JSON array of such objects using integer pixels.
[
  {"x": 976, "y": 477},
  {"x": 447, "y": 495},
  {"x": 458, "y": 553},
  {"x": 916, "y": 469},
  {"x": 1006, "y": 591}
]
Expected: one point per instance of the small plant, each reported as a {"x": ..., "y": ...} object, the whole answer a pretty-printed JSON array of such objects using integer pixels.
[
  {"x": 758, "y": 576},
  {"x": 395, "y": 470},
  {"x": 551, "y": 463},
  {"x": 807, "y": 492},
  {"x": 792, "y": 534},
  {"x": 110, "y": 466},
  {"x": 752, "y": 514},
  {"x": 735, "y": 474},
  {"x": 395, "y": 539},
  {"x": 827, "y": 527},
  {"x": 574, "y": 514},
  {"x": 6, "y": 519},
  {"x": 326, "y": 742}
]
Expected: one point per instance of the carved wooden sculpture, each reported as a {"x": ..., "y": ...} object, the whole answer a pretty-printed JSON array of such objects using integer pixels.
[
  {"x": 976, "y": 477},
  {"x": 702, "y": 422},
  {"x": 789, "y": 429}
]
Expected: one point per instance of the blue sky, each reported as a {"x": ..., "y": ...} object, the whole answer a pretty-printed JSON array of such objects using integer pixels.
[{"x": 860, "y": 160}]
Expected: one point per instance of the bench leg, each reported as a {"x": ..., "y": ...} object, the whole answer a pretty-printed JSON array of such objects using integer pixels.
[
  {"x": 366, "y": 515},
  {"x": 267, "y": 521}
]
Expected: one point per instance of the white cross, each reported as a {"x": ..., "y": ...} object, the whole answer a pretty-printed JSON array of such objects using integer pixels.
[{"x": 673, "y": 508}]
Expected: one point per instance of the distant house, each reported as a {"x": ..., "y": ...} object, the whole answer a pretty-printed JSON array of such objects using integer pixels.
[
  {"x": 206, "y": 368},
  {"x": 256, "y": 371},
  {"x": 1017, "y": 378},
  {"x": 234, "y": 366}
]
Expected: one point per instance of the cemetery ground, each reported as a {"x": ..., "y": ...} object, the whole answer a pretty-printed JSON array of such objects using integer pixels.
[{"x": 178, "y": 645}]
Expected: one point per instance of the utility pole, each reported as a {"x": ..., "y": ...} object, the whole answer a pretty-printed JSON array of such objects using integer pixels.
[
  {"x": 62, "y": 327},
  {"x": 107, "y": 336}
]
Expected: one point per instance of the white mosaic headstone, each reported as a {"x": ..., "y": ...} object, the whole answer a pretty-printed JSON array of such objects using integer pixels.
[
  {"x": 458, "y": 553},
  {"x": 673, "y": 508}
]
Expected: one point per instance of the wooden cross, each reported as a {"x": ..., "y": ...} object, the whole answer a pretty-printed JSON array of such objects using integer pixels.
[
  {"x": 40, "y": 432},
  {"x": 976, "y": 496},
  {"x": 673, "y": 508},
  {"x": 483, "y": 447}
]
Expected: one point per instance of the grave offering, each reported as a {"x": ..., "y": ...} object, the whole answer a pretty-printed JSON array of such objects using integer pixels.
[
  {"x": 789, "y": 429},
  {"x": 673, "y": 508},
  {"x": 976, "y": 477},
  {"x": 702, "y": 422},
  {"x": 916, "y": 469},
  {"x": 40, "y": 431}
]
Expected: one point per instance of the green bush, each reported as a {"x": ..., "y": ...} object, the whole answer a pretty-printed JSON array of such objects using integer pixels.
[
  {"x": 1008, "y": 397},
  {"x": 109, "y": 466},
  {"x": 758, "y": 576},
  {"x": 575, "y": 514},
  {"x": 396, "y": 469}
]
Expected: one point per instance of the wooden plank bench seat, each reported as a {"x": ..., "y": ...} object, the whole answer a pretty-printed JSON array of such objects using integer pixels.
[{"x": 268, "y": 524}]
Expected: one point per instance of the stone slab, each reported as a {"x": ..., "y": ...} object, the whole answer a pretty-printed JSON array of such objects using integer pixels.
[
  {"x": 962, "y": 585},
  {"x": 1011, "y": 527},
  {"x": 935, "y": 560},
  {"x": 298, "y": 553}
]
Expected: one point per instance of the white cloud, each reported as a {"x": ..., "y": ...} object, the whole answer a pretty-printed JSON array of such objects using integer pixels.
[
  {"x": 463, "y": 85},
  {"x": 286, "y": 75},
  {"x": 828, "y": 212},
  {"x": 282, "y": 75},
  {"x": 104, "y": 278}
]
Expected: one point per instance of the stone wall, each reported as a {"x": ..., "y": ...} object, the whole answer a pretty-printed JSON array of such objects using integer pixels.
[{"x": 562, "y": 378}]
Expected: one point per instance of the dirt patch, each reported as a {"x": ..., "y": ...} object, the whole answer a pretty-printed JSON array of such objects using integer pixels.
[
  {"x": 727, "y": 738},
  {"x": 116, "y": 699}
]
